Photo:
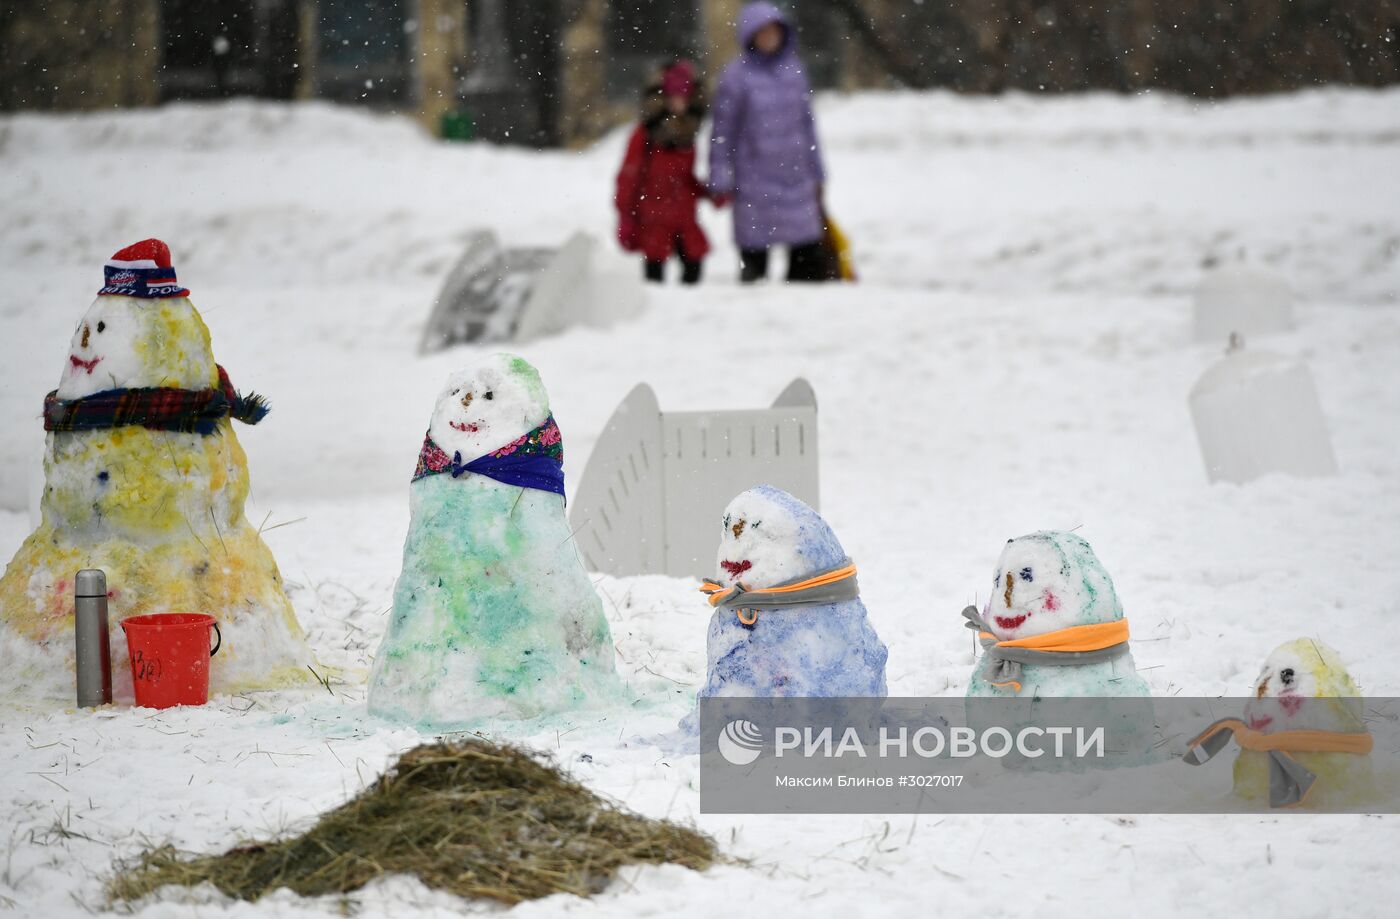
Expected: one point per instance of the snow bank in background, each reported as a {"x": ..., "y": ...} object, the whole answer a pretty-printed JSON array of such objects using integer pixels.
[
  {"x": 847, "y": 120},
  {"x": 1118, "y": 194},
  {"x": 927, "y": 119},
  {"x": 239, "y": 125}
]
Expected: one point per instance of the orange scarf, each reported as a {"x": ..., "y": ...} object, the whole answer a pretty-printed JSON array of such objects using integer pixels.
[
  {"x": 1289, "y": 782},
  {"x": 1092, "y": 637},
  {"x": 1300, "y": 741},
  {"x": 820, "y": 588},
  {"x": 1078, "y": 644}
]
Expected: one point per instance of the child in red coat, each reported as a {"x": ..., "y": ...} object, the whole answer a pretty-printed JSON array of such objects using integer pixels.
[{"x": 657, "y": 189}]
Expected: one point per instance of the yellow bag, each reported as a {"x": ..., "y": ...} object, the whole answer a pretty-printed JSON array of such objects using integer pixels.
[{"x": 840, "y": 248}]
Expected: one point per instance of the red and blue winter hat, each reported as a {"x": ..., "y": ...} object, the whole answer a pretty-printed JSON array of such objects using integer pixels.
[{"x": 142, "y": 270}]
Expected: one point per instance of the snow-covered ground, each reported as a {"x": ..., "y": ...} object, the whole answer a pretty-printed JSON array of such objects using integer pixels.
[{"x": 1016, "y": 357}]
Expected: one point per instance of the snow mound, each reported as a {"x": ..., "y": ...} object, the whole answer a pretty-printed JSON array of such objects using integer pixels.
[{"x": 223, "y": 127}]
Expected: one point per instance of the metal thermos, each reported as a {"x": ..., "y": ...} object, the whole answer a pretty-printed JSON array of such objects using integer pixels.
[{"x": 91, "y": 639}]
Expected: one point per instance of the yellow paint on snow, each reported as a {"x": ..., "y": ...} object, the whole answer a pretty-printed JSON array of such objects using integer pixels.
[
  {"x": 175, "y": 341},
  {"x": 1325, "y": 666}
]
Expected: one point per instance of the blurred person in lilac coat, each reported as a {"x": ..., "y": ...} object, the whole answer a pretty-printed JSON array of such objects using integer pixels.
[{"x": 763, "y": 150}]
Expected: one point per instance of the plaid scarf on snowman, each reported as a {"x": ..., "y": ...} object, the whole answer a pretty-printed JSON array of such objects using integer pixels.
[{"x": 159, "y": 408}]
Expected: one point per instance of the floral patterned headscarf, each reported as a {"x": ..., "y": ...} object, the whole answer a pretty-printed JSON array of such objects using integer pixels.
[{"x": 535, "y": 460}]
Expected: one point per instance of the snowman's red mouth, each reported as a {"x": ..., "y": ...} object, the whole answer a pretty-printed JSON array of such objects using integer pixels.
[
  {"x": 464, "y": 427},
  {"x": 1011, "y": 623},
  {"x": 89, "y": 366},
  {"x": 1291, "y": 702},
  {"x": 1259, "y": 722},
  {"x": 736, "y": 568}
]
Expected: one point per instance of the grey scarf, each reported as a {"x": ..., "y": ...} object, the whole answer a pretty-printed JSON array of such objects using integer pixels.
[
  {"x": 739, "y": 599},
  {"x": 1289, "y": 780}
]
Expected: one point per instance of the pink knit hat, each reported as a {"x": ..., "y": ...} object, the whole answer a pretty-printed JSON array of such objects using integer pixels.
[{"x": 679, "y": 79}]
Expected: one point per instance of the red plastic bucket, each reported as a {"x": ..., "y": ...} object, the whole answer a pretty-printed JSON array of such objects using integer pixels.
[{"x": 170, "y": 657}]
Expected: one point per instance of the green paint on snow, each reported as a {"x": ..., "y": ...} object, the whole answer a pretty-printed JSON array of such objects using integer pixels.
[{"x": 494, "y": 615}]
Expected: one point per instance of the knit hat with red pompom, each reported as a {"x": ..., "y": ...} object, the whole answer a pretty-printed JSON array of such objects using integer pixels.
[{"x": 142, "y": 270}]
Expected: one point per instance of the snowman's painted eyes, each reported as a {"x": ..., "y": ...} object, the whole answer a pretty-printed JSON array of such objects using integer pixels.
[
  {"x": 996, "y": 579},
  {"x": 488, "y": 395},
  {"x": 101, "y": 325},
  {"x": 1027, "y": 574},
  {"x": 1286, "y": 674}
]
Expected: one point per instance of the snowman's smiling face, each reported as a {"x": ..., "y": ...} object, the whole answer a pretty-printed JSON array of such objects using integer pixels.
[
  {"x": 1283, "y": 685},
  {"x": 1031, "y": 591},
  {"x": 759, "y": 543},
  {"x": 102, "y": 354},
  {"x": 131, "y": 343},
  {"x": 1304, "y": 685},
  {"x": 483, "y": 409}
]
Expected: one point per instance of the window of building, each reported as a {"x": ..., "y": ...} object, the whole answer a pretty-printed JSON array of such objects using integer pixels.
[{"x": 363, "y": 50}]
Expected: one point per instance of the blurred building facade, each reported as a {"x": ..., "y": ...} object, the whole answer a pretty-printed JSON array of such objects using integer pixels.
[
  {"x": 545, "y": 72},
  {"x": 75, "y": 54}
]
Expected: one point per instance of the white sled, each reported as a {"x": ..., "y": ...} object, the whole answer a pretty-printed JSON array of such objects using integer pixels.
[
  {"x": 656, "y": 484},
  {"x": 496, "y": 294}
]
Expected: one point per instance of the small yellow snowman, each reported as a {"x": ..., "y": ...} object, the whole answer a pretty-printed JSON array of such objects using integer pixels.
[{"x": 1303, "y": 741}]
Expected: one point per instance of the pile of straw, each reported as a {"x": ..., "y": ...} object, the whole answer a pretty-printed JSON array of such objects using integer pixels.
[{"x": 470, "y": 817}]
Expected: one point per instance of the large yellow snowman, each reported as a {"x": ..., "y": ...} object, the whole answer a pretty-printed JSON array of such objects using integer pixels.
[{"x": 145, "y": 479}]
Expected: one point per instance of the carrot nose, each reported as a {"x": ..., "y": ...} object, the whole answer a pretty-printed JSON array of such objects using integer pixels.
[
  {"x": 467, "y": 400},
  {"x": 87, "y": 330},
  {"x": 738, "y": 528},
  {"x": 1263, "y": 687},
  {"x": 1009, "y": 583}
]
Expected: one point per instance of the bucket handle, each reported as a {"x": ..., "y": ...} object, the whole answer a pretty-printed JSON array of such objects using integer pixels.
[{"x": 218, "y": 644}]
